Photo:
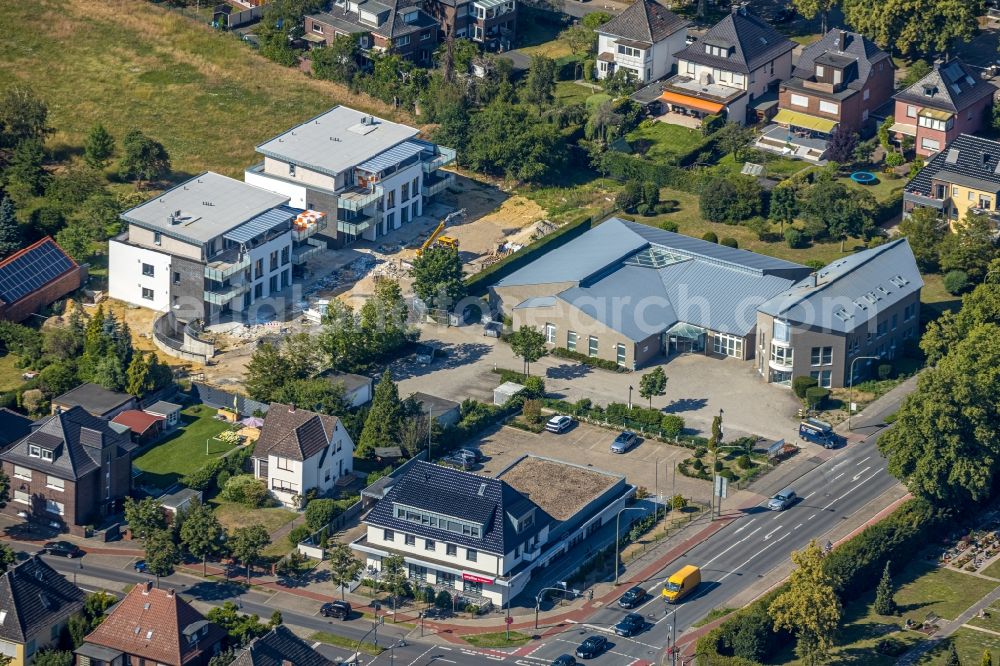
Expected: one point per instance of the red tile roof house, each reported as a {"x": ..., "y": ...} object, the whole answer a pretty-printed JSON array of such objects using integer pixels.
[
  {"x": 949, "y": 101},
  {"x": 72, "y": 470},
  {"x": 35, "y": 277},
  {"x": 152, "y": 626}
]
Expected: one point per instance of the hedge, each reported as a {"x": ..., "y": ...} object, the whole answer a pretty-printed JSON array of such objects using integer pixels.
[
  {"x": 478, "y": 283},
  {"x": 604, "y": 364}
]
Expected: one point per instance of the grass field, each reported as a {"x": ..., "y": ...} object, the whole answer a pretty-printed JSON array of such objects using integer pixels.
[
  {"x": 184, "y": 450},
  {"x": 129, "y": 63},
  {"x": 970, "y": 644},
  {"x": 10, "y": 374},
  {"x": 664, "y": 140},
  {"x": 348, "y": 643},
  {"x": 497, "y": 640},
  {"x": 233, "y": 516}
]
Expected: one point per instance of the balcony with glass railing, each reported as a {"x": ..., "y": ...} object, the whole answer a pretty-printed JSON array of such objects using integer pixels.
[
  {"x": 302, "y": 231},
  {"x": 444, "y": 157},
  {"x": 435, "y": 183},
  {"x": 358, "y": 224},
  {"x": 227, "y": 264},
  {"x": 356, "y": 198},
  {"x": 301, "y": 253},
  {"x": 222, "y": 294}
]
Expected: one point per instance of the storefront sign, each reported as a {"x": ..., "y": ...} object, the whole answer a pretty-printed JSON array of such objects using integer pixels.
[{"x": 472, "y": 578}]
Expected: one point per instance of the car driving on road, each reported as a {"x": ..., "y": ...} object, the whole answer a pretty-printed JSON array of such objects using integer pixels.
[
  {"x": 624, "y": 441},
  {"x": 782, "y": 500},
  {"x": 564, "y": 660},
  {"x": 336, "y": 609},
  {"x": 630, "y": 625},
  {"x": 592, "y": 647},
  {"x": 633, "y": 597},
  {"x": 558, "y": 423},
  {"x": 63, "y": 548}
]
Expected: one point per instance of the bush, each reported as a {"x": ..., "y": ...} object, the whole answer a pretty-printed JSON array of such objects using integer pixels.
[
  {"x": 320, "y": 513},
  {"x": 246, "y": 490},
  {"x": 729, "y": 242},
  {"x": 677, "y": 502},
  {"x": 710, "y": 237},
  {"x": 298, "y": 535},
  {"x": 222, "y": 479},
  {"x": 700, "y": 452},
  {"x": 802, "y": 384},
  {"x": 532, "y": 411},
  {"x": 669, "y": 225},
  {"x": 604, "y": 364},
  {"x": 534, "y": 387},
  {"x": 443, "y": 599},
  {"x": 717, "y": 466},
  {"x": 884, "y": 371},
  {"x": 795, "y": 238},
  {"x": 955, "y": 282},
  {"x": 672, "y": 425},
  {"x": 744, "y": 462},
  {"x": 698, "y": 465},
  {"x": 712, "y": 123},
  {"x": 815, "y": 395}
]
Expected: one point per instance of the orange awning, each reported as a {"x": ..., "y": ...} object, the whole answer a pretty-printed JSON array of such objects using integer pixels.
[{"x": 691, "y": 102}]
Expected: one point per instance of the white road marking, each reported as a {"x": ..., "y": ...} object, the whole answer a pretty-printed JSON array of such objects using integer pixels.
[
  {"x": 735, "y": 569},
  {"x": 620, "y": 654},
  {"x": 851, "y": 490},
  {"x": 744, "y": 526},
  {"x": 811, "y": 517},
  {"x": 705, "y": 565},
  {"x": 768, "y": 535},
  {"x": 861, "y": 461},
  {"x": 809, "y": 495},
  {"x": 607, "y": 630},
  {"x": 421, "y": 656},
  {"x": 861, "y": 473},
  {"x": 797, "y": 526},
  {"x": 837, "y": 477}
]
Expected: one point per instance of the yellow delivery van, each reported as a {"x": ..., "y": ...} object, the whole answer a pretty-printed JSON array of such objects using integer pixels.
[{"x": 681, "y": 583}]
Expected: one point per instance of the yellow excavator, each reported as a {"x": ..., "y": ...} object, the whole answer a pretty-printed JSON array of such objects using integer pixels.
[{"x": 437, "y": 239}]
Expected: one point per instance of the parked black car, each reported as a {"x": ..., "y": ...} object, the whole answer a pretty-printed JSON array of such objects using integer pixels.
[
  {"x": 437, "y": 613},
  {"x": 336, "y": 609},
  {"x": 632, "y": 597},
  {"x": 64, "y": 548},
  {"x": 564, "y": 660},
  {"x": 592, "y": 647},
  {"x": 630, "y": 625}
]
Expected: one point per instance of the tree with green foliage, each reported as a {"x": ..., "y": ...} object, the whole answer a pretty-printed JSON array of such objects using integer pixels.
[
  {"x": 98, "y": 147},
  {"x": 25, "y": 175},
  {"x": 980, "y": 306},
  {"x": 885, "y": 135},
  {"x": 202, "y": 534},
  {"x": 809, "y": 607},
  {"x": 731, "y": 198},
  {"x": 955, "y": 282},
  {"x": 987, "y": 659},
  {"x": 945, "y": 445},
  {"x": 393, "y": 577},
  {"x": 7, "y": 557},
  {"x": 143, "y": 159},
  {"x": 337, "y": 61},
  {"x": 341, "y": 340},
  {"x": 969, "y": 248},
  {"x": 622, "y": 83},
  {"x": 653, "y": 384},
  {"x": 784, "y": 205},
  {"x": 162, "y": 554},
  {"x": 733, "y": 139},
  {"x": 240, "y": 628},
  {"x": 917, "y": 70},
  {"x": 715, "y": 438},
  {"x": 924, "y": 230},
  {"x": 831, "y": 209},
  {"x": 383, "y": 421},
  {"x": 144, "y": 517},
  {"x": 528, "y": 343},
  {"x": 246, "y": 544},
  {"x": 952, "y": 658},
  {"x": 52, "y": 657},
  {"x": 540, "y": 84},
  {"x": 383, "y": 319},
  {"x": 629, "y": 196},
  {"x": 506, "y": 140},
  {"x": 344, "y": 567},
  {"x": 811, "y": 8},
  {"x": 10, "y": 230},
  {"x": 884, "y": 603},
  {"x": 915, "y": 27},
  {"x": 138, "y": 376},
  {"x": 266, "y": 372},
  {"x": 320, "y": 512},
  {"x": 23, "y": 117},
  {"x": 437, "y": 277}
]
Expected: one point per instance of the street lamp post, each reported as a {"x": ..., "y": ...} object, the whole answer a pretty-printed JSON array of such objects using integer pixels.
[
  {"x": 618, "y": 518},
  {"x": 672, "y": 638},
  {"x": 630, "y": 396},
  {"x": 538, "y": 597},
  {"x": 850, "y": 380}
]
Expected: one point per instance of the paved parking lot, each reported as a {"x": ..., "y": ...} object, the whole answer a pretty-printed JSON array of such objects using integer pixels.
[{"x": 584, "y": 444}]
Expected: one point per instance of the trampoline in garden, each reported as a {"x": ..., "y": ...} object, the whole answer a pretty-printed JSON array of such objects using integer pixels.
[{"x": 864, "y": 178}]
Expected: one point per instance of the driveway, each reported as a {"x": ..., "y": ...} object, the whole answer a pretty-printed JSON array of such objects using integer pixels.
[{"x": 697, "y": 386}]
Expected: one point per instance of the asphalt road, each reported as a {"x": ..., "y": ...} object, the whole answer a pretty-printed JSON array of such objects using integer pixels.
[{"x": 743, "y": 551}]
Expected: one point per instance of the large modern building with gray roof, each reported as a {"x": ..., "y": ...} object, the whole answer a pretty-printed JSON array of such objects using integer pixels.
[{"x": 629, "y": 293}]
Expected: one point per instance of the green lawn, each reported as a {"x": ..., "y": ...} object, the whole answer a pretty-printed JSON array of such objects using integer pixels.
[
  {"x": 569, "y": 92},
  {"x": 184, "y": 450},
  {"x": 348, "y": 643},
  {"x": 775, "y": 166},
  {"x": 233, "y": 516},
  {"x": 926, "y": 588},
  {"x": 132, "y": 64},
  {"x": 660, "y": 141},
  {"x": 10, "y": 374},
  {"x": 992, "y": 570},
  {"x": 497, "y": 640},
  {"x": 970, "y": 644},
  {"x": 992, "y": 622},
  {"x": 883, "y": 189}
]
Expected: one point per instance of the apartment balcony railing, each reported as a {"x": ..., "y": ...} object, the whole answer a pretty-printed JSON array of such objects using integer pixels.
[
  {"x": 300, "y": 233},
  {"x": 228, "y": 263},
  {"x": 301, "y": 253},
  {"x": 357, "y": 198},
  {"x": 357, "y": 225},
  {"x": 446, "y": 156},
  {"x": 433, "y": 186},
  {"x": 223, "y": 294}
]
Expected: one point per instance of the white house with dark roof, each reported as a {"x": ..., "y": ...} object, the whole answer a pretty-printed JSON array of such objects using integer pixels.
[
  {"x": 642, "y": 40},
  {"x": 368, "y": 174},
  {"x": 739, "y": 60},
  {"x": 299, "y": 450},
  {"x": 482, "y": 538}
]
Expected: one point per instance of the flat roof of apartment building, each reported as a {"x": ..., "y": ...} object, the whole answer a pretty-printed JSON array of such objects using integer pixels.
[
  {"x": 204, "y": 207},
  {"x": 337, "y": 140},
  {"x": 558, "y": 488}
]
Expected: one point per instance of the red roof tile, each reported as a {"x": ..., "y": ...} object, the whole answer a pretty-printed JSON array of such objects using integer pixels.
[{"x": 137, "y": 421}]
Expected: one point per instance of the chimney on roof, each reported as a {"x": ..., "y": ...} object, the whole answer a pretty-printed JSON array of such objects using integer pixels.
[
  {"x": 813, "y": 279},
  {"x": 842, "y": 40},
  {"x": 147, "y": 586},
  {"x": 170, "y": 592},
  {"x": 291, "y": 408}
]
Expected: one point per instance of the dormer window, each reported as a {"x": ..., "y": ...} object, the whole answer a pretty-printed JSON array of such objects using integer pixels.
[
  {"x": 717, "y": 51},
  {"x": 819, "y": 70},
  {"x": 36, "y": 451}
]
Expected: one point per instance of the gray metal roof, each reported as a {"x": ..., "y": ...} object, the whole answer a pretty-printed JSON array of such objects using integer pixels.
[
  {"x": 336, "y": 140},
  {"x": 392, "y": 157},
  {"x": 850, "y": 291},
  {"x": 536, "y": 302},
  {"x": 261, "y": 224},
  {"x": 210, "y": 205}
]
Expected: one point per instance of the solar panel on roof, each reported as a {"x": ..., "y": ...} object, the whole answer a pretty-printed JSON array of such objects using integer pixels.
[{"x": 31, "y": 271}]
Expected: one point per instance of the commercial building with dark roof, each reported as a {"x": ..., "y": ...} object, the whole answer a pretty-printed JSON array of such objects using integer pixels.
[
  {"x": 73, "y": 470},
  {"x": 864, "y": 305},
  {"x": 299, "y": 450},
  {"x": 33, "y": 278},
  {"x": 484, "y": 538},
  {"x": 951, "y": 100},
  {"x": 642, "y": 40},
  {"x": 963, "y": 178},
  {"x": 733, "y": 69},
  {"x": 628, "y": 292},
  {"x": 35, "y": 605},
  {"x": 152, "y": 626}
]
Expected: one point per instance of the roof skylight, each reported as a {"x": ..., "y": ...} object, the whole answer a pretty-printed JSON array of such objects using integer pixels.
[{"x": 655, "y": 257}]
